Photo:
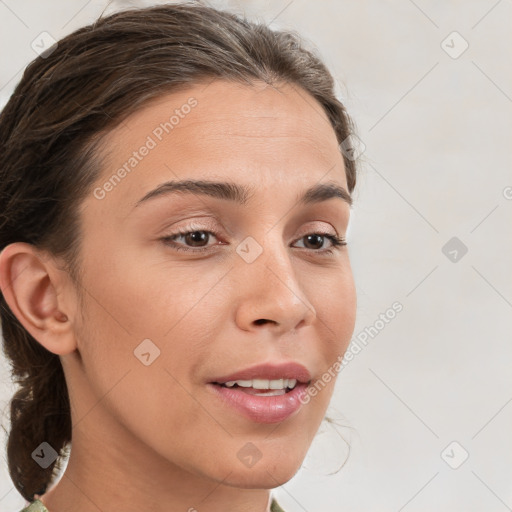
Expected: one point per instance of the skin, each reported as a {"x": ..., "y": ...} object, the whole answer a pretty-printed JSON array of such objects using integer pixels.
[{"x": 152, "y": 437}]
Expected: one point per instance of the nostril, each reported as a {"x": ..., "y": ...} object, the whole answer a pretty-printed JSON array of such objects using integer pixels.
[{"x": 264, "y": 321}]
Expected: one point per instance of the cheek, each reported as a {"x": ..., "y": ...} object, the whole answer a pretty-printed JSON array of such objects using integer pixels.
[
  {"x": 338, "y": 317},
  {"x": 177, "y": 311},
  {"x": 129, "y": 389},
  {"x": 336, "y": 304},
  {"x": 151, "y": 298}
]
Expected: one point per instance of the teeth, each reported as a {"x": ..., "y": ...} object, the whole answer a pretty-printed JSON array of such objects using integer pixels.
[{"x": 263, "y": 383}]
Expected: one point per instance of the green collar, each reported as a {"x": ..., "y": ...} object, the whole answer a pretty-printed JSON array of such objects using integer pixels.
[
  {"x": 274, "y": 506},
  {"x": 38, "y": 506},
  {"x": 35, "y": 506}
]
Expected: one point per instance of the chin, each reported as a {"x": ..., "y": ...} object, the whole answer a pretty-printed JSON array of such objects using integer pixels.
[{"x": 263, "y": 476}]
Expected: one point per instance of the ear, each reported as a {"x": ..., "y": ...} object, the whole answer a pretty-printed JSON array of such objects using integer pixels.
[{"x": 32, "y": 285}]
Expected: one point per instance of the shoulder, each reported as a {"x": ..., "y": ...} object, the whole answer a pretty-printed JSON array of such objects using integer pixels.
[{"x": 35, "y": 506}]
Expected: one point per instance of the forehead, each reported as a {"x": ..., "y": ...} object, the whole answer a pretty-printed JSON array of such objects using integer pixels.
[
  {"x": 256, "y": 135},
  {"x": 255, "y": 108}
]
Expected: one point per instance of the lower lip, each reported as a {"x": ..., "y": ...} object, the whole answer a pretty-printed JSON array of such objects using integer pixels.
[{"x": 262, "y": 409}]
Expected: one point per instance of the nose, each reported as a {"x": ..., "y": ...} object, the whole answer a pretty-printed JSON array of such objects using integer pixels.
[{"x": 269, "y": 292}]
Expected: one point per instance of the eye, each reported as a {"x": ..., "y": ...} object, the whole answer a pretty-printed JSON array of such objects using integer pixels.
[
  {"x": 198, "y": 238},
  {"x": 315, "y": 238}
]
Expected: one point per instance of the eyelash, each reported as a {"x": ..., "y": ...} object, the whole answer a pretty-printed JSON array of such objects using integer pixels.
[{"x": 336, "y": 241}]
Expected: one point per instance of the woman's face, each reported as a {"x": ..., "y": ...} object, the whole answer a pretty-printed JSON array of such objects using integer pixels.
[{"x": 161, "y": 324}]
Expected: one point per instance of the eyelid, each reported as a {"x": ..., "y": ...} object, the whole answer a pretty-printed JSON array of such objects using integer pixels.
[
  {"x": 213, "y": 226},
  {"x": 336, "y": 241}
]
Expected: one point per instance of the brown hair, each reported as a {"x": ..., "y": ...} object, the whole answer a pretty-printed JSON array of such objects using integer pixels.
[{"x": 49, "y": 135}]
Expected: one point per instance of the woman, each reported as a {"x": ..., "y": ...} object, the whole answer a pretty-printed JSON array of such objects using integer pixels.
[{"x": 176, "y": 286}]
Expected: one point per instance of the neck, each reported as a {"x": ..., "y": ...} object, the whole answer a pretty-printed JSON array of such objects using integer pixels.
[
  {"x": 134, "y": 487},
  {"x": 110, "y": 468}
]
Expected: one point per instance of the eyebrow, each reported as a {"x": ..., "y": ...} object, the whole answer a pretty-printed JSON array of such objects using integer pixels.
[{"x": 240, "y": 194}]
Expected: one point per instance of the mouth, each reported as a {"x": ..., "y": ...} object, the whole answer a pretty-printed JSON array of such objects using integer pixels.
[
  {"x": 260, "y": 404},
  {"x": 265, "y": 393},
  {"x": 263, "y": 387}
]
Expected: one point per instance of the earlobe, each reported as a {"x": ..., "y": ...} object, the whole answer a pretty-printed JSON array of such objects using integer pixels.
[{"x": 30, "y": 281}]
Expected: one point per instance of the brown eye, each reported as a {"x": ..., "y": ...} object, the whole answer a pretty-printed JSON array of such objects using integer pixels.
[
  {"x": 316, "y": 240},
  {"x": 192, "y": 241},
  {"x": 196, "y": 238},
  {"x": 197, "y": 241}
]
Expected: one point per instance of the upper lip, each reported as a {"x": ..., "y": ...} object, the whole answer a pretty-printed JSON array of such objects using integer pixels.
[{"x": 289, "y": 370}]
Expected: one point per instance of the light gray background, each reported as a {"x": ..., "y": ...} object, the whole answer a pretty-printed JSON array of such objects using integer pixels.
[{"x": 436, "y": 165}]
